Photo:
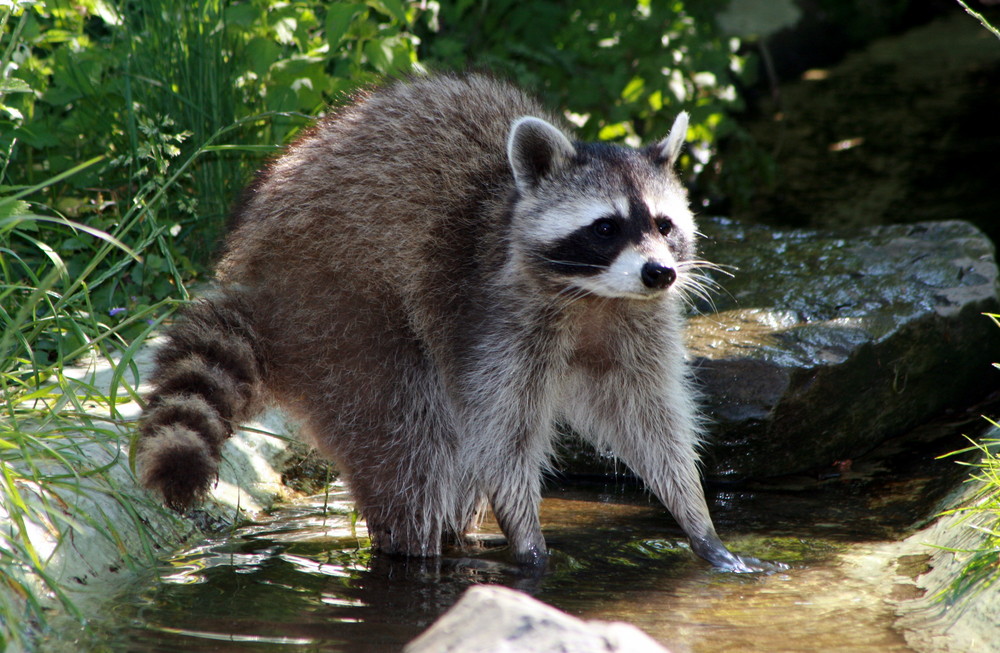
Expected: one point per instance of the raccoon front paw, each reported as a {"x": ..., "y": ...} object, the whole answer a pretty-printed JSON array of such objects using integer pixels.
[
  {"x": 533, "y": 556},
  {"x": 714, "y": 551},
  {"x": 738, "y": 564}
]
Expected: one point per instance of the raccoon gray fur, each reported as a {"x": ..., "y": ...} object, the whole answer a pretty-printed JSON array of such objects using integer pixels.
[{"x": 429, "y": 280}]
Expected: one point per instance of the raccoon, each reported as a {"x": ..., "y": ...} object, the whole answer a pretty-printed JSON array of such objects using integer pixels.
[{"x": 429, "y": 280}]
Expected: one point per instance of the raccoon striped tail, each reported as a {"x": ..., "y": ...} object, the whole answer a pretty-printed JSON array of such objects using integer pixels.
[{"x": 207, "y": 380}]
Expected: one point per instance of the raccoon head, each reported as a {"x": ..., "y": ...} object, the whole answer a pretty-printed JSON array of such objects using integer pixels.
[{"x": 602, "y": 219}]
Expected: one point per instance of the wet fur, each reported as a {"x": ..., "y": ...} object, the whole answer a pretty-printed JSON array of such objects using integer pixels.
[{"x": 380, "y": 284}]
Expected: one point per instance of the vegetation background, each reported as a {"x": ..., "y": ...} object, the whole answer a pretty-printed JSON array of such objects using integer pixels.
[{"x": 127, "y": 129}]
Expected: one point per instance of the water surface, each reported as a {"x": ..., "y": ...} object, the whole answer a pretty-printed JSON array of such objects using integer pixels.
[{"x": 305, "y": 580}]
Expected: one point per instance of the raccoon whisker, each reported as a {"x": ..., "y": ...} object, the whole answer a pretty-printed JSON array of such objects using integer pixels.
[
  {"x": 705, "y": 280},
  {"x": 706, "y": 284},
  {"x": 699, "y": 281},
  {"x": 714, "y": 285},
  {"x": 698, "y": 264},
  {"x": 692, "y": 289},
  {"x": 573, "y": 290},
  {"x": 575, "y": 264},
  {"x": 687, "y": 297},
  {"x": 699, "y": 285},
  {"x": 571, "y": 294},
  {"x": 697, "y": 278}
]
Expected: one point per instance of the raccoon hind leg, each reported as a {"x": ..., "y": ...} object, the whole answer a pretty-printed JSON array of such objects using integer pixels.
[
  {"x": 470, "y": 508},
  {"x": 397, "y": 449},
  {"x": 405, "y": 495}
]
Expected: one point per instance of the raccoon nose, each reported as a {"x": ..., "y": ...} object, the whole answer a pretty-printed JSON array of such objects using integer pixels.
[{"x": 657, "y": 275}]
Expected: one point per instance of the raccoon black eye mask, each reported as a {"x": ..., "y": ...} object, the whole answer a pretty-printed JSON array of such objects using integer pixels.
[{"x": 545, "y": 281}]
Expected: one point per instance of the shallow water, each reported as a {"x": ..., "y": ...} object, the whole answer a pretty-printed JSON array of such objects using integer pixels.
[{"x": 305, "y": 579}]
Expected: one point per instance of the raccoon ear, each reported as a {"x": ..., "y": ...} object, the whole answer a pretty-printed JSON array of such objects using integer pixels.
[
  {"x": 667, "y": 151},
  {"x": 535, "y": 149}
]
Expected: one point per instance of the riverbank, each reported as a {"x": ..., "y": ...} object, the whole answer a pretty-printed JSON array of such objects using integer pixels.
[
  {"x": 938, "y": 619},
  {"x": 83, "y": 529},
  {"x": 304, "y": 575}
]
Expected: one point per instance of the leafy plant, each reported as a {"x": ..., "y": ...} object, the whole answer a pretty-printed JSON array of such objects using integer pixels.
[
  {"x": 982, "y": 566},
  {"x": 622, "y": 68},
  {"x": 146, "y": 83}
]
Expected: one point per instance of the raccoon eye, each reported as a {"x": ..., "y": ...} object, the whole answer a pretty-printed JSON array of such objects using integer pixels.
[
  {"x": 664, "y": 226},
  {"x": 604, "y": 228}
]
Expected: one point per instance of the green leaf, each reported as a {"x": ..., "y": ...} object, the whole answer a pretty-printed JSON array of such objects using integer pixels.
[
  {"x": 28, "y": 190},
  {"x": 14, "y": 85},
  {"x": 612, "y": 132},
  {"x": 284, "y": 29},
  {"x": 13, "y": 209},
  {"x": 339, "y": 17},
  {"x": 379, "y": 53},
  {"x": 96, "y": 233},
  {"x": 107, "y": 12},
  {"x": 242, "y": 15},
  {"x": 392, "y": 8},
  {"x": 261, "y": 54},
  {"x": 14, "y": 114},
  {"x": 634, "y": 89}
]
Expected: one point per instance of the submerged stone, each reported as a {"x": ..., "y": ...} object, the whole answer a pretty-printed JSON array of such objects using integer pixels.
[{"x": 822, "y": 344}]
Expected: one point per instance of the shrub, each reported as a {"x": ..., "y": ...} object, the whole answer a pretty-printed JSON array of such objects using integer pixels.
[{"x": 623, "y": 69}]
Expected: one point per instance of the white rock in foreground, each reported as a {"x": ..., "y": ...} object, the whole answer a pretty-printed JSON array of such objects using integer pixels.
[{"x": 490, "y": 618}]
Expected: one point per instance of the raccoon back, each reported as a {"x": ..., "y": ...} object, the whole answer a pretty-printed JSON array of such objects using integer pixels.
[{"x": 383, "y": 185}]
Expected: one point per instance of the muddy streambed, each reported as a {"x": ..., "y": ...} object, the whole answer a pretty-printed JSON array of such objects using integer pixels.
[{"x": 305, "y": 579}]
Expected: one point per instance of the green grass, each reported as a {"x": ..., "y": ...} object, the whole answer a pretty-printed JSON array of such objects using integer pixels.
[
  {"x": 66, "y": 297},
  {"x": 53, "y": 426},
  {"x": 980, "y": 512},
  {"x": 62, "y": 435}
]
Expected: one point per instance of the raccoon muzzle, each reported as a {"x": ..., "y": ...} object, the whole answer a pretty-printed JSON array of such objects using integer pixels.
[{"x": 206, "y": 381}]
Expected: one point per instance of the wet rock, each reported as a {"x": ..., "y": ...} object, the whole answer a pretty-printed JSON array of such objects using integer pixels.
[
  {"x": 954, "y": 603},
  {"x": 824, "y": 344},
  {"x": 491, "y": 618}
]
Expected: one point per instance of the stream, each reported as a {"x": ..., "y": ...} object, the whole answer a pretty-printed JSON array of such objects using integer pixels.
[{"x": 305, "y": 580}]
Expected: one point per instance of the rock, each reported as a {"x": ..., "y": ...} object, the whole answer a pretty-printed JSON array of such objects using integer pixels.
[
  {"x": 491, "y": 618},
  {"x": 823, "y": 344},
  {"x": 954, "y": 603}
]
